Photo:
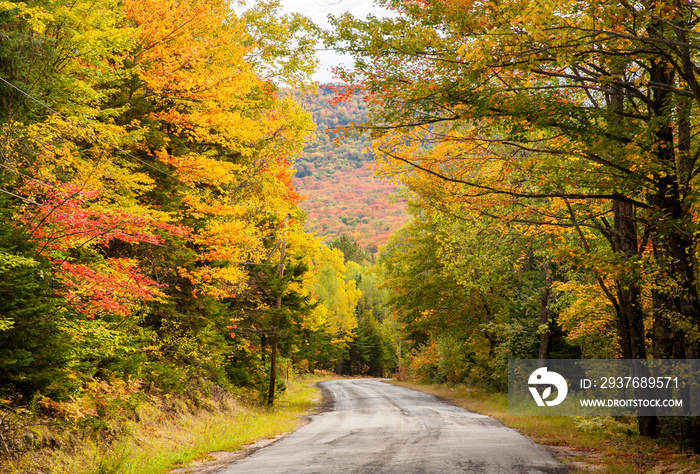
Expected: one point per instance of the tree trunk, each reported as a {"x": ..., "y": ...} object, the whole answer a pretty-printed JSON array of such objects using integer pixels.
[
  {"x": 669, "y": 217},
  {"x": 273, "y": 372},
  {"x": 630, "y": 314},
  {"x": 278, "y": 306},
  {"x": 545, "y": 318}
]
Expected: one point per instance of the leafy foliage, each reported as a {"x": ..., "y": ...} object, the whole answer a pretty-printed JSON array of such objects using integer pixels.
[
  {"x": 146, "y": 173},
  {"x": 570, "y": 120},
  {"x": 350, "y": 248}
]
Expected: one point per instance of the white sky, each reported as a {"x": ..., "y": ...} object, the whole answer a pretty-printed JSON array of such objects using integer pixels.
[{"x": 318, "y": 11}]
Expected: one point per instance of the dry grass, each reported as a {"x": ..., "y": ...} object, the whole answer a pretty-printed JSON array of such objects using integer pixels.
[
  {"x": 596, "y": 444},
  {"x": 170, "y": 434}
]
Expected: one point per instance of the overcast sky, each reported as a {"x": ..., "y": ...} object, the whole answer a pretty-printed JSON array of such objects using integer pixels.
[{"x": 318, "y": 11}]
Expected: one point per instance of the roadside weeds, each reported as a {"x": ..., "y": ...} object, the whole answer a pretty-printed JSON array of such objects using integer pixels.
[{"x": 215, "y": 460}]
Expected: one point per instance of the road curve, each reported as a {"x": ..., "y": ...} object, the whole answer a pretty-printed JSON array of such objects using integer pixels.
[{"x": 377, "y": 427}]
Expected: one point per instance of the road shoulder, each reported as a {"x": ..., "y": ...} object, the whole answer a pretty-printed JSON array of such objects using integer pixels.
[{"x": 217, "y": 460}]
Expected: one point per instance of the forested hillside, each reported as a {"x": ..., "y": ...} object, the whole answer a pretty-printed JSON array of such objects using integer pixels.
[
  {"x": 342, "y": 194},
  {"x": 329, "y": 150}
]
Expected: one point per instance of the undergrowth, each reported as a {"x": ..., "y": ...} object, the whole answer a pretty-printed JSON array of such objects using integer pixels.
[{"x": 143, "y": 434}]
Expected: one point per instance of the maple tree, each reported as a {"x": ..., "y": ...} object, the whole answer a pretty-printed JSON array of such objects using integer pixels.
[{"x": 148, "y": 162}]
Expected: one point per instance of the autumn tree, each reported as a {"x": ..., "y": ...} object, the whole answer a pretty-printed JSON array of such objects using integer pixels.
[
  {"x": 147, "y": 156},
  {"x": 350, "y": 248},
  {"x": 586, "y": 108}
]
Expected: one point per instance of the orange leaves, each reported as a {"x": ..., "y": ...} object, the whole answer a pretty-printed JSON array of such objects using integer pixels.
[
  {"x": 178, "y": 37},
  {"x": 342, "y": 93},
  {"x": 227, "y": 132},
  {"x": 166, "y": 138},
  {"x": 192, "y": 59}
]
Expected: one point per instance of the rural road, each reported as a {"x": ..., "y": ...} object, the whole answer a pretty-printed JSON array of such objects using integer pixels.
[{"x": 377, "y": 427}]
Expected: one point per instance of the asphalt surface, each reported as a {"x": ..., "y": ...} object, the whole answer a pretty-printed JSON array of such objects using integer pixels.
[{"x": 375, "y": 427}]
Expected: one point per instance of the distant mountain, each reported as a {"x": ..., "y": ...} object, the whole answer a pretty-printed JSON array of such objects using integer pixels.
[{"x": 334, "y": 174}]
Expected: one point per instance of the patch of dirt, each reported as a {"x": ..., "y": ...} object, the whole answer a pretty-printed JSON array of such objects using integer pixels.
[
  {"x": 580, "y": 460},
  {"x": 327, "y": 401}
]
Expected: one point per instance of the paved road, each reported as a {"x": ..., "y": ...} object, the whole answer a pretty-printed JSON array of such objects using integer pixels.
[{"x": 376, "y": 427}]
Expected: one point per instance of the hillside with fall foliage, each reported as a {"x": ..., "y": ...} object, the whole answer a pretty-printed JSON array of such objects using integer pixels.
[{"x": 342, "y": 194}]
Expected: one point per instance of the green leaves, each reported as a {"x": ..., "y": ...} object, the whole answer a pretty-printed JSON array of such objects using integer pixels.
[{"x": 283, "y": 44}]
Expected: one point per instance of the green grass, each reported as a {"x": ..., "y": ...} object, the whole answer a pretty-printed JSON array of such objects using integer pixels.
[{"x": 591, "y": 444}]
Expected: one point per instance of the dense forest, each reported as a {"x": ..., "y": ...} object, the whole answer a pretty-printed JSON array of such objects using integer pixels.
[
  {"x": 151, "y": 242},
  {"x": 341, "y": 190},
  {"x": 330, "y": 150},
  {"x": 551, "y": 153},
  {"x": 176, "y": 225}
]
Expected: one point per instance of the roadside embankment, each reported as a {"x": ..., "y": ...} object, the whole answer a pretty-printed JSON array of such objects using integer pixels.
[{"x": 163, "y": 433}]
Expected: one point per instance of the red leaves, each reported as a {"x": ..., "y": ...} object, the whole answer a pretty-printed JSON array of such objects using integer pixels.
[
  {"x": 116, "y": 288},
  {"x": 342, "y": 93},
  {"x": 72, "y": 218},
  {"x": 203, "y": 111}
]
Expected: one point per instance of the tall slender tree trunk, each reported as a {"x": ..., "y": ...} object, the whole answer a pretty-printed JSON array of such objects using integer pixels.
[
  {"x": 630, "y": 319},
  {"x": 278, "y": 306},
  {"x": 630, "y": 314},
  {"x": 545, "y": 318},
  {"x": 674, "y": 248}
]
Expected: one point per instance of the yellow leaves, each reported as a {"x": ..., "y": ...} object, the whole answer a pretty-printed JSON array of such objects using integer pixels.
[
  {"x": 227, "y": 245},
  {"x": 587, "y": 316},
  {"x": 228, "y": 128},
  {"x": 128, "y": 78},
  {"x": 233, "y": 240},
  {"x": 205, "y": 207},
  {"x": 217, "y": 282},
  {"x": 36, "y": 17},
  {"x": 337, "y": 295},
  {"x": 318, "y": 317},
  {"x": 196, "y": 169},
  {"x": 127, "y": 184}
]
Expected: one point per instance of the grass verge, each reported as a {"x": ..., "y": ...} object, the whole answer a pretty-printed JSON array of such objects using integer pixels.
[
  {"x": 170, "y": 434},
  {"x": 590, "y": 444}
]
